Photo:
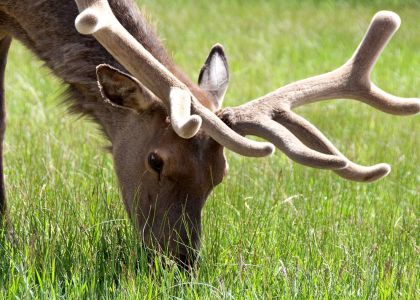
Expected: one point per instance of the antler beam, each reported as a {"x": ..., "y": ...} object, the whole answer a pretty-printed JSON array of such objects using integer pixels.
[
  {"x": 96, "y": 18},
  {"x": 270, "y": 116}
]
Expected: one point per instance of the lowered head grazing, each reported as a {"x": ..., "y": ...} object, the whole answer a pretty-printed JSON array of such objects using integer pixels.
[
  {"x": 165, "y": 179},
  {"x": 168, "y": 134}
]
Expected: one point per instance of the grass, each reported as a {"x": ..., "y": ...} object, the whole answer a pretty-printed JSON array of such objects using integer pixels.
[{"x": 273, "y": 229}]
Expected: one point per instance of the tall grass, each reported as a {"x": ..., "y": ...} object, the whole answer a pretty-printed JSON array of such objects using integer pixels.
[{"x": 274, "y": 229}]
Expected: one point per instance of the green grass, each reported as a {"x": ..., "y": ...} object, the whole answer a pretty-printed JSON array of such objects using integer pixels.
[{"x": 273, "y": 229}]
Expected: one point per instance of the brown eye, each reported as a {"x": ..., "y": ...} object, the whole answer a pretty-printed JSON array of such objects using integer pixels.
[{"x": 155, "y": 162}]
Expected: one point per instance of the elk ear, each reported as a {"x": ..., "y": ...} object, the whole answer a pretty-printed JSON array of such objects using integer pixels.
[
  {"x": 214, "y": 76},
  {"x": 123, "y": 90}
]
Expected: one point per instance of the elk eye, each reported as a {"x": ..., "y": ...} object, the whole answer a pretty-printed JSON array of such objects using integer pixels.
[{"x": 155, "y": 162}]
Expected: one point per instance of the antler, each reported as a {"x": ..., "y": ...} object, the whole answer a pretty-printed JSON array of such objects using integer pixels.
[
  {"x": 96, "y": 18},
  {"x": 271, "y": 118}
]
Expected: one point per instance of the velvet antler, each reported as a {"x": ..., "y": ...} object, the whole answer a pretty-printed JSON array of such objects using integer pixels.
[
  {"x": 96, "y": 18},
  {"x": 271, "y": 117}
]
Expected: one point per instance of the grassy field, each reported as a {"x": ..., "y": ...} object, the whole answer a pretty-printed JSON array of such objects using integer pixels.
[{"x": 273, "y": 229}]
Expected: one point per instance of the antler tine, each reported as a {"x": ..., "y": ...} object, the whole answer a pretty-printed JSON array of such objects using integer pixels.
[
  {"x": 352, "y": 80},
  {"x": 293, "y": 147},
  {"x": 315, "y": 139},
  {"x": 381, "y": 29},
  {"x": 96, "y": 17},
  {"x": 383, "y": 26}
]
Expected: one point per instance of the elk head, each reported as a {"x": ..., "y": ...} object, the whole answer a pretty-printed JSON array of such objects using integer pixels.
[
  {"x": 165, "y": 179},
  {"x": 168, "y": 160}
]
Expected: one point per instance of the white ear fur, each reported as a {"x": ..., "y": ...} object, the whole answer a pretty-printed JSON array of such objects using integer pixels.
[{"x": 214, "y": 76}]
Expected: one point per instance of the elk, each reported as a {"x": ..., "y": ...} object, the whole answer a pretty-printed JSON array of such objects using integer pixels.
[{"x": 168, "y": 134}]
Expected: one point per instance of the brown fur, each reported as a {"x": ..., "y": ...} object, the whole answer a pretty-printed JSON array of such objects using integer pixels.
[
  {"x": 4, "y": 48},
  {"x": 192, "y": 167}
]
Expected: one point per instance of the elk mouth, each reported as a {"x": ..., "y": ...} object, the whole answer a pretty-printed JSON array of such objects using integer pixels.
[{"x": 177, "y": 240}]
